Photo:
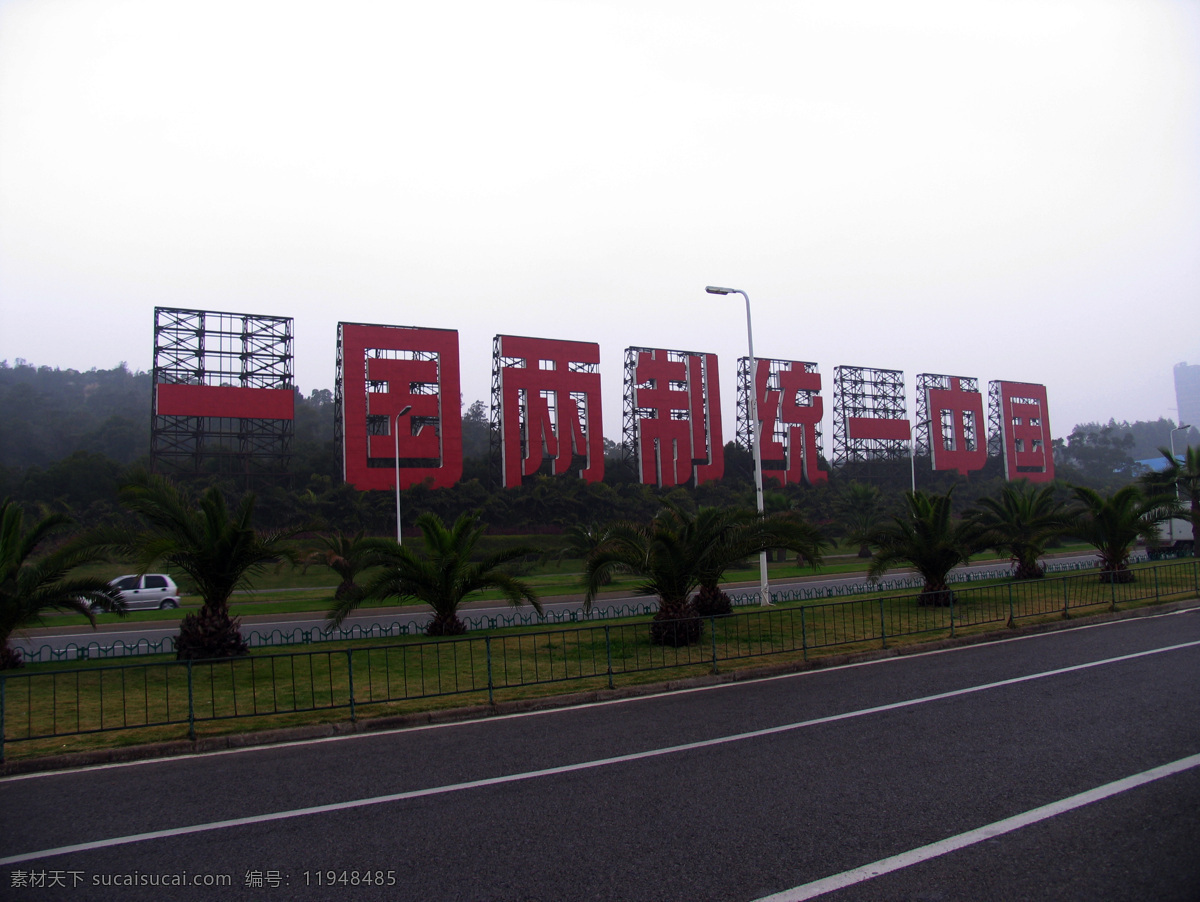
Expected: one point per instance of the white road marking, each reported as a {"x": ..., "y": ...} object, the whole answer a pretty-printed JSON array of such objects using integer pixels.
[
  {"x": 962, "y": 840},
  {"x": 570, "y": 768}
]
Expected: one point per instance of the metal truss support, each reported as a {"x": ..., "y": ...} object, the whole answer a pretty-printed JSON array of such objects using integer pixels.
[
  {"x": 221, "y": 350},
  {"x": 629, "y": 414},
  {"x": 872, "y": 394},
  {"x": 995, "y": 426}
]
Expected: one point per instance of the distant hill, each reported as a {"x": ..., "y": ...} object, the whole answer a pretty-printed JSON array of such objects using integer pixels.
[{"x": 49, "y": 413}]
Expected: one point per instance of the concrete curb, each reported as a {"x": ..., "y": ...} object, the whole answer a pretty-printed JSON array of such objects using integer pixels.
[{"x": 183, "y": 747}]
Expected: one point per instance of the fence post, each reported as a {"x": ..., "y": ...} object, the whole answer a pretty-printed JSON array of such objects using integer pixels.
[
  {"x": 1112, "y": 584},
  {"x": 712, "y": 626},
  {"x": 803, "y": 633},
  {"x": 191, "y": 703},
  {"x": 882, "y": 626},
  {"x": 608, "y": 652},
  {"x": 1066, "y": 599},
  {"x": 487, "y": 643},
  {"x": 1012, "y": 621},
  {"x": 350, "y": 678},
  {"x": 951, "y": 614},
  {"x": 1156, "y": 593}
]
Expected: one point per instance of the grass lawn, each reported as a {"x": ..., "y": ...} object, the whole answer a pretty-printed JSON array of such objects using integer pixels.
[{"x": 66, "y": 706}]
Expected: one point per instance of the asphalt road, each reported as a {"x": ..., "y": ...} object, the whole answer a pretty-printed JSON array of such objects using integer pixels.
[
  {"x": 113, "y": 631},
  {"x": 912, "y": 767}
]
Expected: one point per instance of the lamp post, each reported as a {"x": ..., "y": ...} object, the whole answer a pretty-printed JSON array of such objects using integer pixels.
[
  {"x": 755, "y": 424},
  {"x": 396, "y": 434},
  {"x": 912, "y": 462},
  {"x": 1180, "y": 428}
]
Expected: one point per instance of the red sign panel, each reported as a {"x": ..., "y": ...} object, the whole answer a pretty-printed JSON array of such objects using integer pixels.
[
  {"x": 175, "y": 399},
  {"x": 956, "y": 415},
  {"x": 878, "y": 428},
  {"x": 385, "y": 369},
  {"x": 1024, "y": 431},
  {"x": 790, "y": 416},
  {"x": 676, "y": 396},
  {"x": 549, "y": 407}
]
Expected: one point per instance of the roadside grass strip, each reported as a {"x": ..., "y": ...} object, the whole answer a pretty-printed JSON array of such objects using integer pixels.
[
  {"x": 44, "y": 703},
  {"x": 604, "y": 762}
]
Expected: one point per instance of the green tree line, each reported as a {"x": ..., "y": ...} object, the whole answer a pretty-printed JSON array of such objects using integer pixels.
[{"x": 71, "y": 438}]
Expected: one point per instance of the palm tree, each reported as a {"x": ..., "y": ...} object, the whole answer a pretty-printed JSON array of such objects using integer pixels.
[
  {"x": 1181, "y": 477},
  {"x": 348, "y": 556},
  {"x": 29, "y": 587},
  {"x": 581, "y": 541},
  {"x": 444, "y": 575},
  {"x": 1111, "y": 524},
  {"x": 1023, "y": 521},
  {"x": 927, "y": 538},
  {"x": 729, "y": 535},
  {"x": 218, "y": 549},
  {"x": 677, "y": 552}
]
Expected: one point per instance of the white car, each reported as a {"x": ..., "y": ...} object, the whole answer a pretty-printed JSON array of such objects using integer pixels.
[{"x": 150, "y": 590}]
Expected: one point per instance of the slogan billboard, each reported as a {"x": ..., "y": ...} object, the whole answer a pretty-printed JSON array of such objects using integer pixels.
[{"x": 223, "y": 385}]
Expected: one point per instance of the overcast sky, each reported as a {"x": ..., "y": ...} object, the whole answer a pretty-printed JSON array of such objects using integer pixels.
[{"x": 1006, "y": 190}]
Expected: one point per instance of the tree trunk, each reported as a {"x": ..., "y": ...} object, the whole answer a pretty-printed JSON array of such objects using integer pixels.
[
  {"x": 675, "y": 624},
  {"x": 445, "y": 625},
  {"x": 936, "y": 594},
  {"x": 1028, "y": 570},
  {"x": 710, "y": 601},
  {"x": 10, "y": 658},
  {"x": 210, "y": 633},
  {"x": 348, "y": 589}
]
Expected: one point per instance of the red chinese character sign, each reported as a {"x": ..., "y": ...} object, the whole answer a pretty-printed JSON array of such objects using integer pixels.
[
  {"x": 789, "y": 412},
  {"x": 547, "y": 393},
  {"x": 1019, "y": 422},
  {"x": 672, "y": 423},
  {"x": 950, "y": 422},
  {"x": 870, "y": 417},
  {"x": 381, "y": 371}
]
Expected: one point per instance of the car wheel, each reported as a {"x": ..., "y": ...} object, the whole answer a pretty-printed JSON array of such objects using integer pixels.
[{"x": 168, "y": 603}]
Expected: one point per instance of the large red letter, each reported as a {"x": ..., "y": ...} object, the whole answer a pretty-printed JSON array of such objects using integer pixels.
[
  {"x": 549, "y": 406},
  {"x": 676, "y": 401},
  {"x": 790, "y": 419},
  {"x": 1024, "y": 422},
  {"x": 955, "y": 422},
  {"x": 382, "y": 370}
]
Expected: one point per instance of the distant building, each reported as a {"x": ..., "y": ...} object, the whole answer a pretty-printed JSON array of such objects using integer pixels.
[{"x": 1187, "y": 394}]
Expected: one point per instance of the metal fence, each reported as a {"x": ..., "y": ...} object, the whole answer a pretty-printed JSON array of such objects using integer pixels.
[
  {"x": 278, "y": 638},
  {"x": 54, "y": 702}
]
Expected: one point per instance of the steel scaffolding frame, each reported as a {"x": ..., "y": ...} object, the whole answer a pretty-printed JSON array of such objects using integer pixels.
[
  {"x": 995, "y": 414},
  {"x": 860, "y": 391},
  {"x": 216, "y": 348}
]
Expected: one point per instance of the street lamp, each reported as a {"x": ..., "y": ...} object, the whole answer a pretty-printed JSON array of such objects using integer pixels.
[
  {"x": 396, "y": 434},
  {"x": 755, "y": 424},
  {"x": 1180, "y": 428}
]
